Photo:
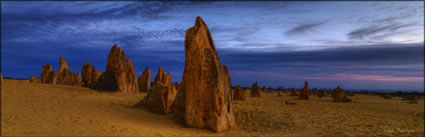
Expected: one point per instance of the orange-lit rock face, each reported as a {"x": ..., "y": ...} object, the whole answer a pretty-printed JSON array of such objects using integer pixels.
[
  {"x": 65, "y": 75},
  {"x": 160, "y": 76},
  {"x": 161, "y": 95},
  {"x": 48, "y": 75},
  {"x": 159, "y": 99},
  {"x": 145, "y": 80},
  {"x": 89, "y": 75},
  {"x": 204, "y": 99},
  {"x": 120, "y": 74}
]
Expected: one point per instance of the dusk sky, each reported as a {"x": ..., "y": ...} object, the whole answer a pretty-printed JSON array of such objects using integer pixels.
[{"x": 356, "y": 45}]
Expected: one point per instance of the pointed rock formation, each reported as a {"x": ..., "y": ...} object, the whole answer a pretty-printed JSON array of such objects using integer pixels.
[
  {"x": 131, "y": 77},
  {"x": 255, "y": 90},
  {"x": 160, "y": 76},
  {"x": 169, "y": 82},
  {"x": 204, "y": 99},
  {"x": 305, "y": 92},
  {"x": 158, "y": 100},
  {"x": 89, "y": 75},
  {"x": 48, "y": 75},
  {"x": 79, "y": 79},
  {"x": 63, "y": 65},
  {"x": 120, "y": 74},
  {"x": 145, "y": 80},
  {"x": 160, "y": 97},
  {"x": 239, "y": 94},
  {"x": 65, "y": 75}
]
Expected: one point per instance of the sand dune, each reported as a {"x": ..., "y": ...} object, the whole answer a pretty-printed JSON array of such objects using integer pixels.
[{"x": 29, "y": 109}]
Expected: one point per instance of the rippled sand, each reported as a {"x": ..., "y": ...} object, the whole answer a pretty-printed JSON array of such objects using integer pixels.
[{"x": 29, "y": 109}]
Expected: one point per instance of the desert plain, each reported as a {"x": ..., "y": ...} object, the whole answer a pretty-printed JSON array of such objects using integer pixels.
[{"x": 36, "y": 109}]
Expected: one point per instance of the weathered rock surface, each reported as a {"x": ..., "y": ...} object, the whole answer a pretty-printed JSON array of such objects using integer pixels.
[
  {"x": 65, "y": 75},
  {"x": 255, "y": 90},
  {"x": 89, "y": 75},
  {"x": 161, "y": 95},
  {"x": 145, "y": 80},
  {"x": 160, "y": 76},
  {"x": 48, "y": 75},
  {"x": 159, "y": 99},
  {"x": 204, "y": 99},
  {"x": 169, "y": 83},
  {"x": 120, "y": 74},
  {"x": 239, "y": 93},
  {"x": 305, "y": 92}
]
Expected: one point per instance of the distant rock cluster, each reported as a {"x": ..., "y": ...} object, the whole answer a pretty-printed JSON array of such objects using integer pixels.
[
  {"x": 65, "y": 75},
  {"x": 119, "y": 75},
  {"x": 48, "y": 75},
  {"x": 255, "y": 90},
  {"x": 33, "y": 79},
  {"x": 321, "y": 93},
  {"x": 305, "y": 92},
  {"x": 89, "y": 75},
  {"x": 339, "y": 95},
  {"x": 162, "y": 94},
  {"x": 294, "y": 92},
  {"x": 239, "y": 93}
]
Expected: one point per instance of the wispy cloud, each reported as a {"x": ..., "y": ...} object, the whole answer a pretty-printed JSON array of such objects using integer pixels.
[
  {"x": 367, "y": 32},
  {"x": 304, "y": 28}
]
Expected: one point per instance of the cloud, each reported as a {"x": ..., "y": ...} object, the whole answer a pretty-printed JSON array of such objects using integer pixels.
[
  {"x": 374, "y": 30},
  {"x": 401, "y": 60},
  {"x": 304, "y": 28}
]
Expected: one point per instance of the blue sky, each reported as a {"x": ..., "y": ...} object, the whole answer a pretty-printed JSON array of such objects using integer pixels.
[{"x": 357, "y": 45}]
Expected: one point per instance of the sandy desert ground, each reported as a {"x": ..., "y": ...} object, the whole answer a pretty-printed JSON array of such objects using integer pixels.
[{"x": 29, "y": 109}]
